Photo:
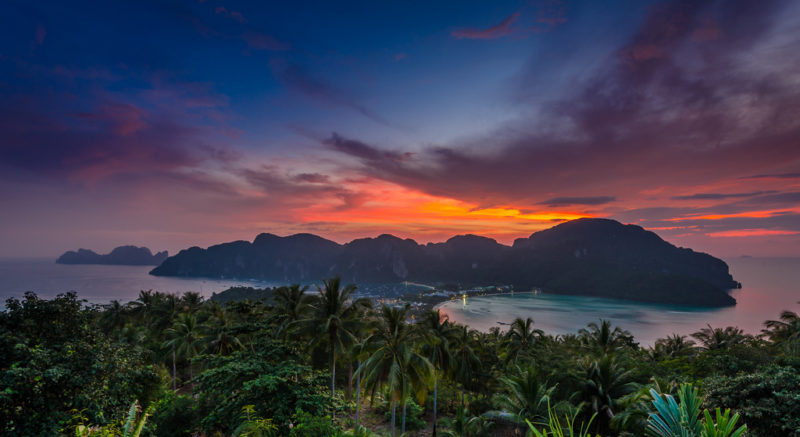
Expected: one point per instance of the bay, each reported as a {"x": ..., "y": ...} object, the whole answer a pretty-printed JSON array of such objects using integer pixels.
[{"x": 769, "y": 286}]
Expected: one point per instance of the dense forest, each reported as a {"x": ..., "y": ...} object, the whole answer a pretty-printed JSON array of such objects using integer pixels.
[{"x": 318, "y": 362}]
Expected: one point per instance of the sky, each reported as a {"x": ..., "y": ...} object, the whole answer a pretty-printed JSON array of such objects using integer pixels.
[{"x": 172, "y": 124}]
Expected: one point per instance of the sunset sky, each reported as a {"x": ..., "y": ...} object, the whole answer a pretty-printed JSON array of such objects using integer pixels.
[{"x": 178, "y": 123}]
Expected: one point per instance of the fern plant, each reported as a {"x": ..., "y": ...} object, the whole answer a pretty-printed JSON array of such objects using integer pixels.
[
  {"x": 555, "y": 428},
  {"x": 134, "y": 423},
  {"x": 254, "y": 426}
]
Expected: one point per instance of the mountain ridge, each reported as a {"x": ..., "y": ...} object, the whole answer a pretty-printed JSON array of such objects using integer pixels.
[
  {"x": 121, "y": 255},
  {"x": 590, "y": 257}
]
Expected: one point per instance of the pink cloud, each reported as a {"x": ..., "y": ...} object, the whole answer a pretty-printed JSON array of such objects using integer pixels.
[
  {"x": 497, "y": 31},
  {"x": 41, "y": 33},
  {"x": 232, "y": 14},
  {"x": 260, "y": 41}
]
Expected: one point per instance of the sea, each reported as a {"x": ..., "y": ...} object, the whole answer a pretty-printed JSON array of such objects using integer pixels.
[
  {"x": 100, "y": 283},
  {"x": 769, "y": 286}
]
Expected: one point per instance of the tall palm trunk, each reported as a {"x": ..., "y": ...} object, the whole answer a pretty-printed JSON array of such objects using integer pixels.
[
  {"x": 349, "y": 392},
  {"x": 333, "y": 374},
  {"x": 403, "y": 422},
  {"x": 174, "y": 371},
  {"x": 191, "y": 374},
  {"x": 394, "y": 408},
  {"x": 358, "y": 393},
  {"x": 372, "y": 395},
  {"x": 333, "y": 363},
  {"x": 435, "y": 387}
]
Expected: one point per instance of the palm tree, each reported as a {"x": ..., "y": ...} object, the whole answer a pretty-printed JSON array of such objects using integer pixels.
[
  {"x": 525, "y": 396},
  {"x": 718, "y": 338},
  {"x": 520, "y": 338},
  {"x": 143, "y": 306},
  {"x": 674, "y": 346},
  {"x": 114, "y": 316},
  {"x": 603, "y": 339},
  {"x": 191, "y": 301},
  {"x": 393, "y": 362},
  {"x": 438, "y": 334},
  {"x": 334, "y": 319},
  {"x": 605, "y": 382},
  {"x": 465, "y": 358},
  {"x": 785, "y": 331},
  {"x": 217, "y": 334},
  {"x": 184, "y": 338},
  {"x": 292, "y": 301}
]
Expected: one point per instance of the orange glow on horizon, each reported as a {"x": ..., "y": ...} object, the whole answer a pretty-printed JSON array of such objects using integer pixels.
[
  {"x": 751, "y": 233},
  {"x": 389, "y": 208},
  {"x": 749, "y": 214}
]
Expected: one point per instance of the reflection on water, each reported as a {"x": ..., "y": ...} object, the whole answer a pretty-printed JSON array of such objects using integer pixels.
[{"x": 769, "y": 287}]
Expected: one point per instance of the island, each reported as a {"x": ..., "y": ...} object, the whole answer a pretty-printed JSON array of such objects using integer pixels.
[
  {"x": 122, "y": 255},
  {"x": 588, "y": 257}
]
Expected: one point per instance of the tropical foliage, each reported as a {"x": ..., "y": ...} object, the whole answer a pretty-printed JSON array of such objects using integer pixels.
[{"x": 326, "y": 363}]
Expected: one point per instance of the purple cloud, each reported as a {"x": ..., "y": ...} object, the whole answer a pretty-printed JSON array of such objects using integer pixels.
[
  {"x": 296, "y": 78},
  {"x": 497, "y": 31}
]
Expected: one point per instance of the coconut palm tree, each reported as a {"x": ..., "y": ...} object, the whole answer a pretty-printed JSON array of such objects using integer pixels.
[
  {"x": 191, "y": 301},
  {"x": 465, "y": 358},
  {"x": 292, "y": 301},
  {"x": 674, "y": 346},
  {"x": 217, "y": 335},
  {"x": 334, "y": 319},
  {"x": 605, "y": 382},
  {"x": 520, "y": 338},
  {"x": 785, "y": 331},
  {"x": 184, "y": 338},
  {"x": 438, "y": 334},
  {"x": 393, "y": 362},
  {"x": 718, "y": 338},
  {"x": 114, "y": 316},
  {"x": 144, "y": 306},
  {"x": 603, "y": 339},
  {"x": 525, "y": 395}
]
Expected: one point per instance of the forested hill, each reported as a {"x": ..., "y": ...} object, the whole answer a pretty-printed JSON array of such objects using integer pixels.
[
  {"x": 592, "y": 257},
  {"x": 122, "y": 255}
]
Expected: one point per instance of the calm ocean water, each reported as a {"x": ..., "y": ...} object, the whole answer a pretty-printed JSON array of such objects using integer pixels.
[
  {"x": 769, "y": 286},
  {"x": 98, "y": 283}
]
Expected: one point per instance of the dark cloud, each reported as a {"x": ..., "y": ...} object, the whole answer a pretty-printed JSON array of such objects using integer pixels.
[
  {"x": 298, "y": 79},
  {"x": 665, "y": 110},
  {"x": 721, "y": 196},
  {"x": 568, "y": 201},
  {"x": 364, "y": 151},
  {"x": 312, "y": 178},
  {"x": 262, "y": 41},
  {"x": 780, "y": 199},
  {"x": 235, "y": 15},
  {"x": 162, "y": 126},
  {"x": 499, "y": 30},
  {"x": 299, "y": 190},
  {"x": 774, "y": 176}
]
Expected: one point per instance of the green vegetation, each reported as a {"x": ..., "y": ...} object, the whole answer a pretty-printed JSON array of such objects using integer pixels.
[{"x": 321, "y": 363}]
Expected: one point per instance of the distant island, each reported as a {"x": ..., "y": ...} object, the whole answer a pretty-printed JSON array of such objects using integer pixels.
[
  {"x": 123, "y": 255},
  {"x": 588, "y": 257}
]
